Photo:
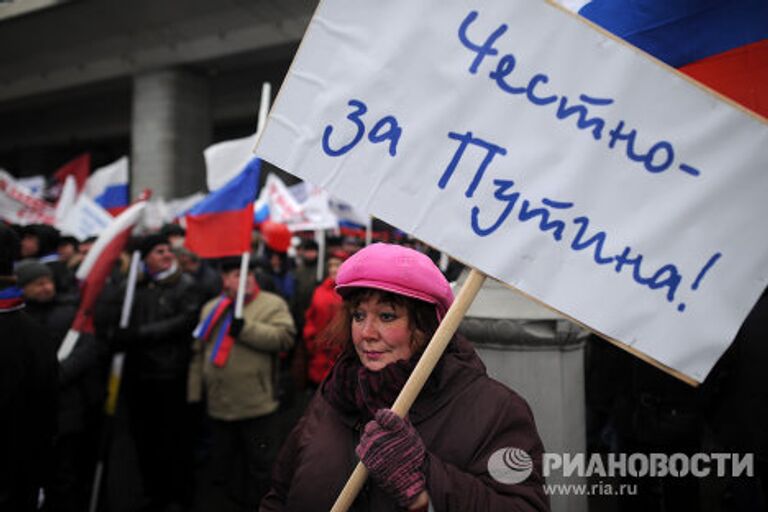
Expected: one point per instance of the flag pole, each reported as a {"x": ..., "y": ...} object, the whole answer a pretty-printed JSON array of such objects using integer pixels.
[
  {"x": 369, "y": 231},
  {"x": 67, "y": 345},
  {"x": 241, "y": 285},
  {"x": 320, "y": 239},
  {"x": 444, "y": 261},
  {"x": 266, "y": 95},
  {"x": 130, "y": 290},
  {"x": 115, "y": 378},
  {"x": 419, "y": 376}
]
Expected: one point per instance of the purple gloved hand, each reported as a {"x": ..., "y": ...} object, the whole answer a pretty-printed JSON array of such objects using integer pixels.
[{"x": 393, "y": 452}]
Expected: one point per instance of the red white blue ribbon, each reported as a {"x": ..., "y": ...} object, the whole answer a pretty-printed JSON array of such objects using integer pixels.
[{"x": 11, "y": 299}]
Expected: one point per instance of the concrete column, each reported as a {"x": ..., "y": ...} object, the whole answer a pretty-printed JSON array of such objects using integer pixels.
[
  {"x": 171, "y": 126},
  {"x": 541, "y": 356}
]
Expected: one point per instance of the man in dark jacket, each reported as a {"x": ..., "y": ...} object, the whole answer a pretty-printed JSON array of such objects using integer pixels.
[
  {"x": 27, "y": 391},
  {"x": 157, "y": 345},
  {"x": 81, "y": 387}
]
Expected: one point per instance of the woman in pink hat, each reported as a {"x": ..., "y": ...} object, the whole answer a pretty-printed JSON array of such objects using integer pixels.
[{"x": 468, "y": 442}]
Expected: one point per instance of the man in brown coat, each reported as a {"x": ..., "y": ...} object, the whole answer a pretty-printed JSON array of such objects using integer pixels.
[{"x": 235, "y": 359}]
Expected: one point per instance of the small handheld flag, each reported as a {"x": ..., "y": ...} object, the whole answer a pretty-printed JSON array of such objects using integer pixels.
[{"x": 221, "y": 224}]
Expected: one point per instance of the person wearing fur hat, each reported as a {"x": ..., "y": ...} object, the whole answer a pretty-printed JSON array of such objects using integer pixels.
[
  {"x": 157, "y": 345},
  {"x": 443, "y": 454},
  {"x": 234, "y": 362},
  {"x": 28, "y": 391}
]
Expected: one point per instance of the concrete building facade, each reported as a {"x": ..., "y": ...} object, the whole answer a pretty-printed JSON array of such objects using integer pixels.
[{"x": 157, "y": 81}]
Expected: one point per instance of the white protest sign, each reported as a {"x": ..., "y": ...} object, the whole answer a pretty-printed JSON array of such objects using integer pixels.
[
  {"x": 522, "y": 141},
  {"x": 316, "y": 213},
  {"x": 86, "y": 218},
  {"x": 19, "y": 206},
  {"x": 35, "y": 185},
  {"x": 347, "y": 213},
  {"x": 282, "y": 205},
  {"x": 307, "y": 215}
]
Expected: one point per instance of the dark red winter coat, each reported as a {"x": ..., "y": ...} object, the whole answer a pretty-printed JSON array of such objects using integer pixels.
[
  {"x": 462, "y": 416},
  {"x": 325, "y": 303}
]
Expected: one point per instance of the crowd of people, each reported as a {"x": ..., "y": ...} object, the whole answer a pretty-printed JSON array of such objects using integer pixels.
[
  {"x": 205, "y": 386},
  {"x": 199, "y": 378},
  {"x": 233, "y": 369}
]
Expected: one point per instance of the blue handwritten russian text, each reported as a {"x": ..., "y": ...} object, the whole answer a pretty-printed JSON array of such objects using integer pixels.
[
  {"x": 658, "y": 158},
  {"x": 548, "y": 217},
  {"x": 385, "y": 129}
]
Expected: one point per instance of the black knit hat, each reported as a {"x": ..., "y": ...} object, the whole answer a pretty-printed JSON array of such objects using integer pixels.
[
  {"x": 149, "y": 242},
  {"x": 230, "y": 263},
  {"x": 29, "y": 270}
]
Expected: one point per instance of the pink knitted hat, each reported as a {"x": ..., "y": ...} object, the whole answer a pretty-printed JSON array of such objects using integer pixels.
[{"x": 396, "y": 269}]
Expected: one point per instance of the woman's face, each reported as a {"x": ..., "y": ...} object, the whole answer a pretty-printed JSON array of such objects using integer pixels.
[{"x": 381, "y": 333}]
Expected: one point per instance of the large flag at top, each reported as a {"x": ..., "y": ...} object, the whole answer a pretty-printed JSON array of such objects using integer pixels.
[
  {"x": 225, "y": 160},
  {"x": 721, "y": 43},
  {"x": 221, "y": 224},
  {"x": 108, "y": 186}
]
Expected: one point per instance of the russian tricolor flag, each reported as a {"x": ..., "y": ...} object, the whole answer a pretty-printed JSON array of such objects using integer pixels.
[
  {"x": 108, "y": 186},
  {"x": 221, "y": 224},
  {"x": 94, "y": 270},
  {"x": 721, "y": 43}
]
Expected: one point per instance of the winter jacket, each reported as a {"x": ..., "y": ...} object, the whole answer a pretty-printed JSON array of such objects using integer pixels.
[
  {"x": 207, "y": 280},
  {"x": 244, "y": 386},
  {"x": 463, "y": 418},
  {"x": 28, "y": 392},
  {"x": 325, "y": 303},
  {"x": 81, "y": 377},
  {"x": 306, "y": 282},
  {"x": 162, "y": 318}
]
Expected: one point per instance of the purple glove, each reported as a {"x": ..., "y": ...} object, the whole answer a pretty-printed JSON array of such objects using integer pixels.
[{"x": 393, "y": 452}]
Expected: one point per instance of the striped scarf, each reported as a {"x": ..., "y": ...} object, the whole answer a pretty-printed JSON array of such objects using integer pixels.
[
  {"x": 221, "y": 313},
  {"x": 11, "y": 299},
  {"x": 352, "y": 388}
]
